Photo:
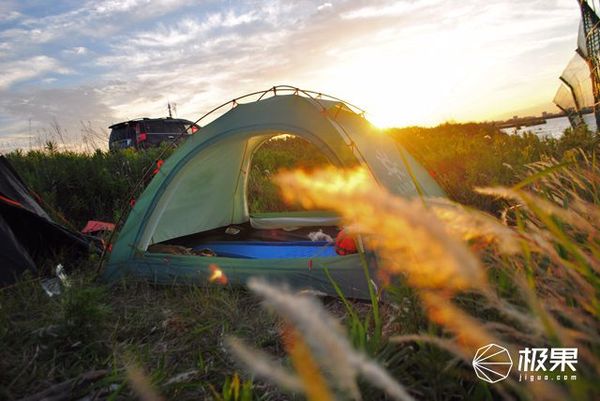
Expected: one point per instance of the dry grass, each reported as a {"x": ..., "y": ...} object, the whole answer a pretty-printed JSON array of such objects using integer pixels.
[{"x": 535, "y": 270}]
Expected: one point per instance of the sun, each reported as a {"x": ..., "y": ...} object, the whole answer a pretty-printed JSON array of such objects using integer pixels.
[
  {"x": 416, "y": 79},
  {"x": 390, "y": 89}
]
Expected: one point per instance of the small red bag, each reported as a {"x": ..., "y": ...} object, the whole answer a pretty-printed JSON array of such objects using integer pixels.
[{"x": 345, "y": 244}]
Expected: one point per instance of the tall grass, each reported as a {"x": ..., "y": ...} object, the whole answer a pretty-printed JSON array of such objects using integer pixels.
[
  {"x": 529, "y": 278},
  {"x": 280, "y": 152},
  {"x": 95, "y": 185},
  {"x": 78, "y": 187},
  {"x": 462, "y": 157}
]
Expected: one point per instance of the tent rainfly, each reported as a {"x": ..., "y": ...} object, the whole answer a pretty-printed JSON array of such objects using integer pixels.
[
  {"x": 198, "y": 200},
  {"x": 27, "y": 233}
]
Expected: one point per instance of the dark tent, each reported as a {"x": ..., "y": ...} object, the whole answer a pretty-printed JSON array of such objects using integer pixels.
[{"x": 27, "y": 233}]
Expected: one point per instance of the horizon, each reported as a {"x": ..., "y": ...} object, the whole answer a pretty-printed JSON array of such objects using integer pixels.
[{"x": 406, "y": 63}]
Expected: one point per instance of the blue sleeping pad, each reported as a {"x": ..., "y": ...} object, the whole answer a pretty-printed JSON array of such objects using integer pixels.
[{"x": 270, "y": 250}]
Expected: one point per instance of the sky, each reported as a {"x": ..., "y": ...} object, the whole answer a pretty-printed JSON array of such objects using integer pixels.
[{"x": 82, "y": 65}]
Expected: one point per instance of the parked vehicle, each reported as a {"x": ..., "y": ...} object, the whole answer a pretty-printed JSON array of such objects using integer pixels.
[{"x": 147, "y": 132}]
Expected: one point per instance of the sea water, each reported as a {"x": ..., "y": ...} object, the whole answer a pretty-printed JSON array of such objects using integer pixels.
[{"x": 553, "y": 127}]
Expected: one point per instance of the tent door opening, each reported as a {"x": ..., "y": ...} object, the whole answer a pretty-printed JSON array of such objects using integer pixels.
[{"x": 273, "y": 230}]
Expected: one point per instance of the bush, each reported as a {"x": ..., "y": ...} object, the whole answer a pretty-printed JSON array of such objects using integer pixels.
[
  {"x": 279, "y": 153},
  {"x": 462, "y": 157},
  {"x": 78, "y": 187}
]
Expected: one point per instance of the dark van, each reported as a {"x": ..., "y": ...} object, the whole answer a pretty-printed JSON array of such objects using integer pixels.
[{"x": 146, "y": 132}]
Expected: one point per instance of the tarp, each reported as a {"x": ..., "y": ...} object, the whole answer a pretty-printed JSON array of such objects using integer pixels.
[
  {"x": 577, "y": 77},
  {"x": 582, "y": 42},
  {"x": 579, "y": 81},
  {"x": 203, "y": 186},
  {"x": 27, "y": 233},
  {"x": 15, "y": 258}
]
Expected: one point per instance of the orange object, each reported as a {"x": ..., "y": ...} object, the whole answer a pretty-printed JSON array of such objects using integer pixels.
[
  {"x": 94, "y": 226},
  {"x": 217, "y": 275},
  {"x": 345, "y": 244},
  {"x": 159, "y": 164},
  {"x": 10, "y": 201},
  {"x": 305, "y": 364}
]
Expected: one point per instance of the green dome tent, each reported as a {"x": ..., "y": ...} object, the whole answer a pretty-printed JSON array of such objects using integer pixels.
[{"x": 199, "y": 195}]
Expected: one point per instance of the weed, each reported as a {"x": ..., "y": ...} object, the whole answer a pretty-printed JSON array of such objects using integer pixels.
[{"x": 547, "y": 261}]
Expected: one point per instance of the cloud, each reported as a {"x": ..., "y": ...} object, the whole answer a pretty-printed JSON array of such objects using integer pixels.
[
  {"x": 9, "y": 16},
  {"x": 77, "y": 51},
  {"x": 136, "y": 8},
  {"x": 95, "y": 19},
  {"x": 16, "y": 71},
  {"x": 388, "y": 9},
  {"x": 450, "y": 59}
]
